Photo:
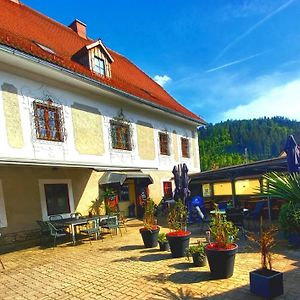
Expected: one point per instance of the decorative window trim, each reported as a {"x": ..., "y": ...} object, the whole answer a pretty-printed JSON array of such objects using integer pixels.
[
  {"x": 168, "y": 142},
  {"x": 42, "y": 182},
  {"x": 120, "y": 120},
  {"x": 50, "y": 105},
  {"x": 186, "y": 154},
  {"x": 3, "y": 218}
]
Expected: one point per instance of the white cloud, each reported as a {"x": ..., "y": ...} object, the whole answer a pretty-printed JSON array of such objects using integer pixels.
[
  {"x": 161, "y": 80},
  {"x": 281, "y": 100}
]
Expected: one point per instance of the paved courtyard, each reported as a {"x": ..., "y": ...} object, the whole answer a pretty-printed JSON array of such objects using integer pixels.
[{"x": 121, "y": 268}]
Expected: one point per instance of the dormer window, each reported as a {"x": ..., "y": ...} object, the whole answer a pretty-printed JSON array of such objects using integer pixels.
[
  {"x": 99, "y": 66},
  {"x": 95, "y": 57}
]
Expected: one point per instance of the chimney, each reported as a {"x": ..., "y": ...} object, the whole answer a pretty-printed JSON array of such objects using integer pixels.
[
  {"x": 15, "y": 1},
  {"x": 78, "y": 26}
]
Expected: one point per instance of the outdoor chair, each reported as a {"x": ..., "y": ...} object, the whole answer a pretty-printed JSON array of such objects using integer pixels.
[
  {"x": 256, "y": 213},
  {"x": 111, "y": 225},
  {"x": 55, "y": 232},
  {"x": 92, "y": 228},
  {"x": 222, "y": 205},
  {"x": 122, "y": 220},
  {"x": 236, "y": 216},
  {"x": 45, "y": 231}
]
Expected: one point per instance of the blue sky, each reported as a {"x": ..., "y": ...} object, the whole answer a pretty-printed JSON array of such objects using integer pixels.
[{"x": 221, "y": 59}]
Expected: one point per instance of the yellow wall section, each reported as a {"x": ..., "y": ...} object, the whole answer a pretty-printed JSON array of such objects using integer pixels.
[
  {"x": 156, "y": 189},
  {"x": 175, "y": 145},
  {"x": 145, "y": 137},
  {"x": 88, "y": 132},
  {"x": 23, "y": 204},
  {"x": 12, "y": 116},
  {"x": 247, "y": 187},
  {"x": 222, "y": 188}
]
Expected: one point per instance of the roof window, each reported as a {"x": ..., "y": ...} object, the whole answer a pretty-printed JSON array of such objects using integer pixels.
[{"x": 45, "y": 48}]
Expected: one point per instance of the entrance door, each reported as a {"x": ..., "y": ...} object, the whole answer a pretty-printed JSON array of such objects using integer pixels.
[{"x": 141, "y": 198}]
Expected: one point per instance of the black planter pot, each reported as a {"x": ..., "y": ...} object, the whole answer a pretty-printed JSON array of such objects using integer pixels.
[
  {"x": 149, "y": 237},
  {"x": 198, "y": 260},
  {"x": 266, "y": 283},
  {"x": 221, "y": 262},
  {"x": 164, "y": 246},
  {"x": 179, "y": 244}
]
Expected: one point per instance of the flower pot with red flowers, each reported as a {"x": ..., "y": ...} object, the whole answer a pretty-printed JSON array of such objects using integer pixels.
[
  {"x": 150, "y": 230},
  {"x": 178, "y": 237},
  {"x": 221, "y": 252},
  {"x": 266, "y": 282}
]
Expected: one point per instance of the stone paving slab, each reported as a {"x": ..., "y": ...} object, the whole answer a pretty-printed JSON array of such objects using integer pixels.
[{"x": 121, "y": 268}]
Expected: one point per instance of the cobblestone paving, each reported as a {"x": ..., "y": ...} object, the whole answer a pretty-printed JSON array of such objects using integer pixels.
[{"x": 121, "y": 268}]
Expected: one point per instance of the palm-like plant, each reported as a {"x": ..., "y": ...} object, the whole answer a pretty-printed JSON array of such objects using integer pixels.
[{"x": 283, "y": 186}]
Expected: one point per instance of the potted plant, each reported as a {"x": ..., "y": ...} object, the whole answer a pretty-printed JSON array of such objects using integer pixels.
[
  {"x": 221, "y": 252},
  {"x": 150, "y": 230},
  {"x": 286, "y": 187},
  {"x": 178, "y": 237},
  {"x": 266, "y": 282},
  {"x": 163, "y": 242},
  {"x": 197, "y": 252}
]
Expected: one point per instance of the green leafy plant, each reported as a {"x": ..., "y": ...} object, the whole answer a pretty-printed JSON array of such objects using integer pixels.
[
  {"x": 177, "y": 218},
  {"x": 283, "y": 186},
  {"x": 96, "y": 206},
  {"x": 223, "y": 232},
  {"x": 199, "y": 248},
  {"x": 266, "y": 241},
  {"x": 289, "y": 217},
  {"x": 149, "y": 217},
  {"x": 286, "y": 187},
  {"x": 162, "y": 237}
]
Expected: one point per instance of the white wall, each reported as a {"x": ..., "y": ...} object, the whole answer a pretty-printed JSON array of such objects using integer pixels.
[{"x": 31, "y": 89}]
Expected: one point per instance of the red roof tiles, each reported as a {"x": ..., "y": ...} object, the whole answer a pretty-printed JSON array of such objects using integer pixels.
[{"x": 21, "y": 28}]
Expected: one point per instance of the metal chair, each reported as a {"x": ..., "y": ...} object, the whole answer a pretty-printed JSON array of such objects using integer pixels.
[
  {"x": 92, "y": 228},
  {"x": 45, "y": 231},
  {"x": 112, "y": 224},
  {"x": 121, "y": 220},
  {"x": 56, "y": 233}
]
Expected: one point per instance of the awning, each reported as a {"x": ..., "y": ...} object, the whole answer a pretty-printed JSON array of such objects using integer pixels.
[{"x": 119, "y": 178}]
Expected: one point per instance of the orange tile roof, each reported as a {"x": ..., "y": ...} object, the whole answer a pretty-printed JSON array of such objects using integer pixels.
[{"x": 21, "y": 27}]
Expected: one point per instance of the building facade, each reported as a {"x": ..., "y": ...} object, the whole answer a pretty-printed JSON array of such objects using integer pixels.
[{"x": 71, "y": 111}]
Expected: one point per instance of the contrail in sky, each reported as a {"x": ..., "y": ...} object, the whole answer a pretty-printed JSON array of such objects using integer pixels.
[
  {"x": 234, "y": 62},
  {"x": 259, "y": 23}
]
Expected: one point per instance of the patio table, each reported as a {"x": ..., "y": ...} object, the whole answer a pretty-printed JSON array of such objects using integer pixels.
[{"x": 72, "y": 223}]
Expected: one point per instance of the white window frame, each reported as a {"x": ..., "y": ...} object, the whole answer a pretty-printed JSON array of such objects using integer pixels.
[
  {"x": 42, "y": 183},
  {"x": 97, "y": 65},
  {"x": 3, "y": 219}
]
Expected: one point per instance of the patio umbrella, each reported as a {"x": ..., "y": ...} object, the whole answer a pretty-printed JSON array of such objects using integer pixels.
[
  {"x": 185, "y": 180},
  {"x": 293, "y": 155},
  {"x": 177, "y": 181}
]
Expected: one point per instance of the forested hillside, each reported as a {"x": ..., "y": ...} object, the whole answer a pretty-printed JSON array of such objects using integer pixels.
[{"x": 235, "y": 142}]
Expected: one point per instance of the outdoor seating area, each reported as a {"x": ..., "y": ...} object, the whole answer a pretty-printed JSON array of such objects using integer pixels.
[
  {"x": 77, "y": 225},
  {"x": 133, "y": 271}
]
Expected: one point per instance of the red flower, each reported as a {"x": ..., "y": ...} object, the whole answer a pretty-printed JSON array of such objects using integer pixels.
[{"x": 179, "y": 233}]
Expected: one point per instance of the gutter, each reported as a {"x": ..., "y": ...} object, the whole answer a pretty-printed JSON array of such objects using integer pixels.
[{"x": 96, "y": 83}]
